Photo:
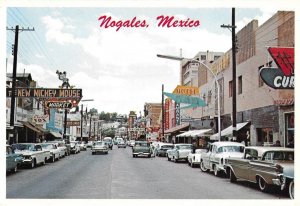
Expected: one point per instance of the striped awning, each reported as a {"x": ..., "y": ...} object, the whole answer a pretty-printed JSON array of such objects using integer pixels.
[{"x": 228, "y": 131}]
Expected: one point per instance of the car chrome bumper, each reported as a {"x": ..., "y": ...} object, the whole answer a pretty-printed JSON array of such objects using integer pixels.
[
  {"x": 141, "y": 153},
  {"x": 99, "y": 150}
]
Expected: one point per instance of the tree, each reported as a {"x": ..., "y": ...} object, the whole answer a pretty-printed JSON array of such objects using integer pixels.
[{"x": 93, "y": 111}]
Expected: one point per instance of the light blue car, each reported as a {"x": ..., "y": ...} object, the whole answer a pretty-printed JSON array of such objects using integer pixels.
[{"x": 12, "y": 159}]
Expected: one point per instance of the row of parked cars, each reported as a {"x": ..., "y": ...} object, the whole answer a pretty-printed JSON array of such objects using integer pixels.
[
  {"x": 33, "y": 154},
  {"x": 266, "y": 166}
]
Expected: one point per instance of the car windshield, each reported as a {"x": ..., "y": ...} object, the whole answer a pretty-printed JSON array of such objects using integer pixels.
[
  {"x": 167, "y": 146},
  {"x": 23, "y": 147},
  {"x": 231, "y": 149},
  {"x": 141, "y": 144},
  {"x": 185, "y": 146},
  {"x": 99, "y": 143},
  {"x": 47, "y": 146},
  {"x": 279, "y": 155}
]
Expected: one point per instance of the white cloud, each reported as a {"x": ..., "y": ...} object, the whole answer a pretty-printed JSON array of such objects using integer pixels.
[{"x": 120, "y": 70}]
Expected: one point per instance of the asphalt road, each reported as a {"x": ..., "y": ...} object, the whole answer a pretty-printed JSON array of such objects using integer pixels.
[{"x": 120, "y": 176}]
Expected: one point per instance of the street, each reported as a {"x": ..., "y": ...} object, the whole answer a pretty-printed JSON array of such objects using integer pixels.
[{"x": 119, "y": 176}]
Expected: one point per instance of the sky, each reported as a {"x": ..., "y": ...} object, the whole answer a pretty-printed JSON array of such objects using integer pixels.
[{"x": 118, "y": 69}]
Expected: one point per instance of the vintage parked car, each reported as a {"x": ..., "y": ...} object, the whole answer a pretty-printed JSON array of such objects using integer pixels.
[
  {"x": 55, "y": 152},
  {"x": 99, "y": 147},
  {"x": 82, "y": 146},
  {"x": 179, "y": 152},
  {"x": 89, "y": 144},
  {"x": 288, "y": 180},
  {"x": 194, "y": 158},
  {"x": 161, "y": 149},
  {"x": 141, "y": 148},
  {"x": 32, "y": 153},
  {"x": 12, "y": 159},
  {"x": 263, "y": 165},
  {"x": 214, "y": 158},
  {"x": 74, "y": 147},
  {"x": 63, "y": 146},
  {"x": 109, "y": 141},
  {"x": 131, "y": 143},
  {"x": 121, "y": 143}
]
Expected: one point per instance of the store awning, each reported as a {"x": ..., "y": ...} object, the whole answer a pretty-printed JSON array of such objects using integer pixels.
[
  {"x": 40, "y": 128},
  {"x": 30, "y": 126},
  {"x": 228, "y": 131},
  {"x": 177, "y": 128},
  {"x": 186, "y": 134},
  {"x": 56, "y": 134},
  {"x": 195, "y": 133},
  {"x": 201, "y": 132}
]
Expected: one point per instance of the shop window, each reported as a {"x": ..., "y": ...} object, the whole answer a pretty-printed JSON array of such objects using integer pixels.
[
  {"x": 260, "y": 81},
  {"x": 289, "y": 128},
  {"x": 240, "y": 85},
  {"x": 265, "y": 136},
  {"x": 203, "y": 57}
]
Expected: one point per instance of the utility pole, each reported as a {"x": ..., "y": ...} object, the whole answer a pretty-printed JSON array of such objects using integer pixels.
[
  {"x": 81, "y": 121},
  {"x": 232, "y": 27},
  {"x": 163, "y": 111},
  {"x": 11, "y": 136},
  {"x": 90, "y": 126}
]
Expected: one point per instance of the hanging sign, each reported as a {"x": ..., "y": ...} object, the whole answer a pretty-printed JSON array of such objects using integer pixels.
[
  {"x": 40, "y": 119},
  {"x": 73, "y": 123},
  {"x": 59, "y": 105},
  {"x": 45, "y": 92},
  {"x": 276, "y": 79}
]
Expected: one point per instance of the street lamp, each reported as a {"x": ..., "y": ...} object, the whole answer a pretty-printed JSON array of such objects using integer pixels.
[{"x": 215, "y": 77}]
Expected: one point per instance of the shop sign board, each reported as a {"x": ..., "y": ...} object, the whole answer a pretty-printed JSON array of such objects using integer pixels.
[
  {"x": 44, "y": 92},
  {"x": 73, "y": 123},
  {"x": 276, "y": 79},
  {"x": 283, "y": 76},
  {"x": 186, "y": 90},
  {"x": 59, "y": 105},
  {"x": 40, "y": 119}
]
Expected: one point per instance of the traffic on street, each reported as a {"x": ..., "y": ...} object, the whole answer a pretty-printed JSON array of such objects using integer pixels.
[{"x": 117, "y": 175}]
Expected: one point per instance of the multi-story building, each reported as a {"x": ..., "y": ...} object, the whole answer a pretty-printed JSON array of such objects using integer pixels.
[
  {"x": 268, "y": 112},
  {"x": 152, "y": 113},
  {"x": 26, "y": 128},
  {"x": 189, "y": 70}
]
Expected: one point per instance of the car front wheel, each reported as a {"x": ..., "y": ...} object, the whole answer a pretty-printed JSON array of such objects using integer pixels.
[
  {"x": 202, "y": 167},
  {"x": 216, "y": 172},
  {"x": 263, "y": 186},
  {"x": 16, "y": 169},
  {"x": 232, "y": 177},
  {"x": 291, "y": 189},
  {"x": 33, "y": 163}
]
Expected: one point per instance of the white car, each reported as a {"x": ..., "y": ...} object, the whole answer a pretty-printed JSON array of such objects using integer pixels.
[
  {"x": 82, "y": 145},
  {"x": 74, "y": 147},
  {"x": 194, "y": 158},
  {"x": 162, "y": 148},
  {"x": 179, "y": 152},
  {"x": 55, "y": 152},
  {"x": 131, "y": 143},
  {"x": 32, "y": 153},
  {"x": 89, "y": 144},
  {"x": 99, "y": 147},
  {"x": 214, "y": 158}
]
